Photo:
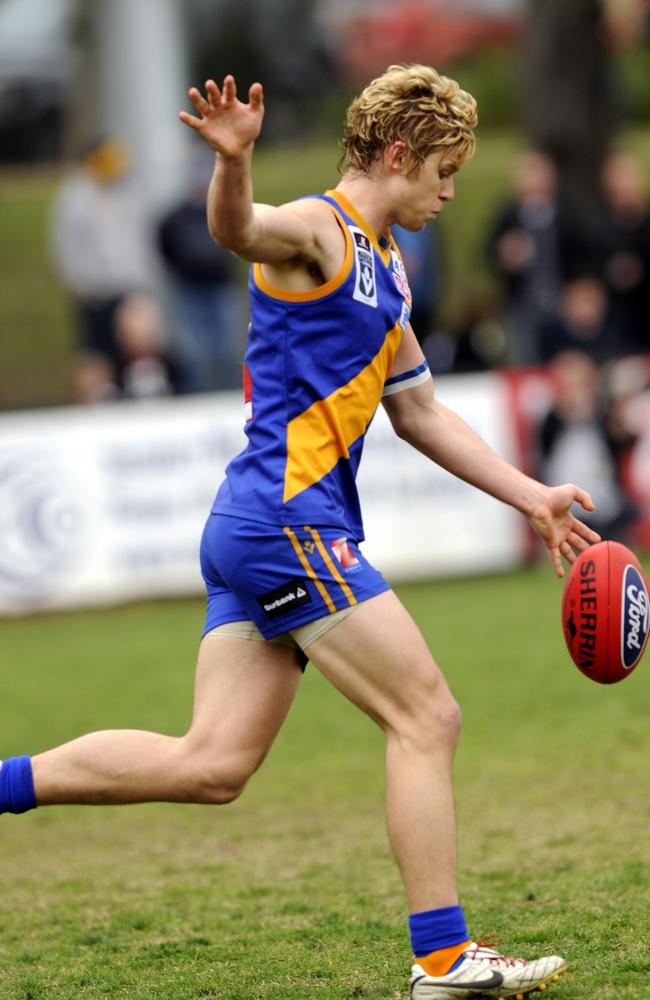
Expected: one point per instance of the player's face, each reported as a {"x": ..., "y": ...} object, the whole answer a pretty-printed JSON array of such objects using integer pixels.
[{"x": 426, "y": 191}]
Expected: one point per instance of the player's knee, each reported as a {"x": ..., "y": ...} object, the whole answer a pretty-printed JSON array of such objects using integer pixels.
[
  {"x": 219, "y": 792},
  {"x": 433, "y": 721},
  {"x": 225, "y": 780},
  {"x": 218, "y": 779},
  {"x": 451, "y": 720},
  {"x": 439, "y": 722}
]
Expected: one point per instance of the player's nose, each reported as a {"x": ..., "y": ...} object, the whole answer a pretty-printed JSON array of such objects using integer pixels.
[{"x": 447, "y": 189}]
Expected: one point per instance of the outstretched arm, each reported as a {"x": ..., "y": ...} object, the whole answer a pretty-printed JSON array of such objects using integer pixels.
[
  {"x": 255, "y": 232},
  {"x": 442, "y": 436}
]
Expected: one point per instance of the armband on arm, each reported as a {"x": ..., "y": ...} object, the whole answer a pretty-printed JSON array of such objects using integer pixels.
[{"x": 406, "y": 380}]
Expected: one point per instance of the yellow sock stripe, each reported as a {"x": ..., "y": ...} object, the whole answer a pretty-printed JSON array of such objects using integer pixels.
[
  {"x": 309, "y": 571},
  {"x": 329, "y": 562}
]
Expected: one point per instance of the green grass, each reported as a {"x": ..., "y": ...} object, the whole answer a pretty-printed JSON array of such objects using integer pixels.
[
  {"x": 36, "y": 330},
  {"x": 291, "y": 892},
  {"x": 36, "y": 326}
]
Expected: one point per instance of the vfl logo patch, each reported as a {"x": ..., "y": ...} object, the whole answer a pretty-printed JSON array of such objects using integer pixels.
[
  {"x": 635, "y": 617},
  {"x": 365, "y": 286},
  {"x": 285, "y": 598},
  {"x": 341, "y": 549}
]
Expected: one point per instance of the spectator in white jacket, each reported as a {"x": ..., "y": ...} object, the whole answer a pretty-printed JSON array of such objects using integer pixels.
[{"x": 99, "y": 241}]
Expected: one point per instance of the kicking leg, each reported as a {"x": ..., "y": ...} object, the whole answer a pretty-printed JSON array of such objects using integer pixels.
[{"x": 243, "y": 691}]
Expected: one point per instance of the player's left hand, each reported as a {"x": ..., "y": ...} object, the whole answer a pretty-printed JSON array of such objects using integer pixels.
[{"x": 563, "y": 534}]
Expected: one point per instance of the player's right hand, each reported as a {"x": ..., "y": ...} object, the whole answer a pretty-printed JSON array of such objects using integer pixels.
[
  {"x": 227, "y": 125},
  {"x": 563, "y": 534}
]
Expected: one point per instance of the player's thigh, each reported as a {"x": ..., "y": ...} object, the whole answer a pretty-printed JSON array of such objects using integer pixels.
[
  {"x": 243, "y": 691},
  {"x": 378, "y": 659}
]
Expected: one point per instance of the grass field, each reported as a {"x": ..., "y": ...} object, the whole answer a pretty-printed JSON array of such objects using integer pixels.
[{"x": 290, "y": 892}]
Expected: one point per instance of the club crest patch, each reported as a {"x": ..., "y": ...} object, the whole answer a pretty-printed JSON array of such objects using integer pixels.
[
  {"x": 365, "y": 286},
  {"x": 344, "y": 554}
]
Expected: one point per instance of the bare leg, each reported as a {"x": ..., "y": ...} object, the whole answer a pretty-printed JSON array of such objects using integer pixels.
[
  {"x": 244, "y": 689},
  {"x": 379, "y": 660}
]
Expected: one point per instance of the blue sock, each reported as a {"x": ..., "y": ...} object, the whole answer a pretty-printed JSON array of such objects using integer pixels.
[
  {"x": 433, "y": 930},
  {"x": 16, "y": 785}
]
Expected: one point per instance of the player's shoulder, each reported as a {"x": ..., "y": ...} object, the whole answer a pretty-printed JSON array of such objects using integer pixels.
[
  {"x": 311, "y": 207},
  {"x": 319, "y": 216}
]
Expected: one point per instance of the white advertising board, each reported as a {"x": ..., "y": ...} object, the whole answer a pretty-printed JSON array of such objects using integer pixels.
[
  {"x": 107, "y": 504},
  {"x": 422, "y": 522}
]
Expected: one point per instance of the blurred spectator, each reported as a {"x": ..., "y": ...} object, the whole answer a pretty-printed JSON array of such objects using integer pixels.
[
  {"x": 629, "y": 382},
  {"x": 421, "y": 254},
  {"x": 571, "y": 98},
  {"x": 615, "y": 242},
  {"x": 584, "y": 322},
  {"x": 524, "y": 247},
  {"x": 582, "y": 438},
  {"x": 144, "y": 369},
  {"x": 207, "y": 296},
  {"x": 99, "y": 242},
  {"x": 94, "y": 380},
  {"x": 480, "y": 338},
  {"x": 627, "y": 264},
  {"x": 439, "y": 349}
]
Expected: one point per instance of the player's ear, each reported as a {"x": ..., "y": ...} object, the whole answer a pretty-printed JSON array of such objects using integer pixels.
[{"x": 395, "y": 157}]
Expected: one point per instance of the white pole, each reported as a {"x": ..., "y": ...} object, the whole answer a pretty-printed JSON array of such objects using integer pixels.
[{"x": 143, "y": 81}]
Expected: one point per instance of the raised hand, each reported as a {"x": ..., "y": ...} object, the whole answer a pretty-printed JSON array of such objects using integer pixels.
[
  {"x": 227, "y": 125},
  {"x": 563, "y": 534}
]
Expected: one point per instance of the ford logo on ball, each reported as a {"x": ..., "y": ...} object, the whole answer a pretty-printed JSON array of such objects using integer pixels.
[{"x": 635, "y": 615}]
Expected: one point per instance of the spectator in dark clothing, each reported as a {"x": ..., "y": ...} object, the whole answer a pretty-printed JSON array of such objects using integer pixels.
[
  {"x": 584, "y": 322},
  {"x": 583, "y": 436},
  {"x": 480, "y": 337},
  {"x": 627, "y": 259},
  {"x": 615, "y": 243},
  {"x": 524, "y": 248},
  {"x": 205, "y": 289}
]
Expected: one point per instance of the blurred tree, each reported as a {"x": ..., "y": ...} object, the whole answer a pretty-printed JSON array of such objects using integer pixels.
[
  {"x": 278, "y": 42},
  {"x": 571, "y": 109}
]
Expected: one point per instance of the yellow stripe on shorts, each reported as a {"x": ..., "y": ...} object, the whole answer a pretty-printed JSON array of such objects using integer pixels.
[
  {"x": 331, "y": 607},
  {"x": 329, "y": 562}
]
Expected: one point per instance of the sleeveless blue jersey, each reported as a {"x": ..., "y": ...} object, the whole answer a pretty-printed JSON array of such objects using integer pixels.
[{"x": 315, "y": 367}]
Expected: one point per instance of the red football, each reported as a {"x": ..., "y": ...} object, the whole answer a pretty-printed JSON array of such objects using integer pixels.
[{"x": 606, "y": 612}]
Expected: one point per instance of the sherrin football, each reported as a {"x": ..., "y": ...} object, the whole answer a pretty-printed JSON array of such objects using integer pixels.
[{"x": 606, "y": 612}]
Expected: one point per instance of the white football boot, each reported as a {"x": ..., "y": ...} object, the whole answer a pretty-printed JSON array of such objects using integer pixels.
[{"x": 486, "y": 973}]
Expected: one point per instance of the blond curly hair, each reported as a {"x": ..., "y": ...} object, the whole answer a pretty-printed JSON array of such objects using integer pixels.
[{"x": 429, "y": 112}]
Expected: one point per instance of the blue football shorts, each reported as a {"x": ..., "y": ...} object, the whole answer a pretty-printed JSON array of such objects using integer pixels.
[{"x": 281, "y": 577}]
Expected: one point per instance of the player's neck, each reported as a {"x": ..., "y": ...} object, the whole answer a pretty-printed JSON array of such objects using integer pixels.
[{"x": 365, "y": 194}]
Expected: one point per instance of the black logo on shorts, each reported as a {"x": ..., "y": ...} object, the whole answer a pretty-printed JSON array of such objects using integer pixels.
[{"x": 285, "y": 598}]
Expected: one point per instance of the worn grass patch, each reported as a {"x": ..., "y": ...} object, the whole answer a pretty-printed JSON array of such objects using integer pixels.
[{"x": 291, "y": 891}]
